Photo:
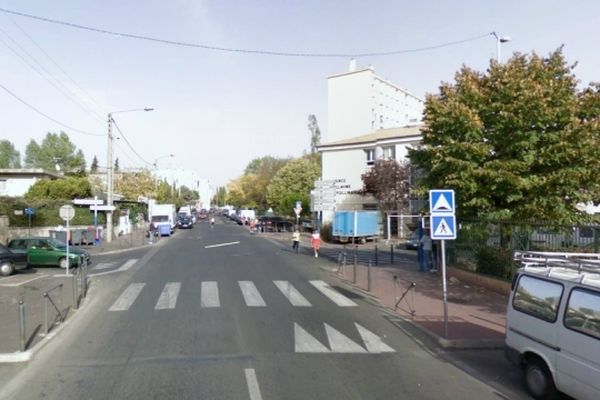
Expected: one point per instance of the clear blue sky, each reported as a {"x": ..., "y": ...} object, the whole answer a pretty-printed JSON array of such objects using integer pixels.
[{"x": 216, "y": 111}]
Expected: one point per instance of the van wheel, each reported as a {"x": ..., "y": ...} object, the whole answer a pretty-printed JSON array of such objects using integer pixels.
[
  {"x": 63, "y": 263},
  {"x": 538, "y": 380},
  {"x": 6, "y": 268}
]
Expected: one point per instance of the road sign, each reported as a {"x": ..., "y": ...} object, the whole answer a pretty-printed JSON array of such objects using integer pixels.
[
  {"x": 29, "y": 211},
  {"x": 102, "y": 208},
  {"x": 441, "y": 202},
  {"x": 443, "y": 227},
  {"x": 88, "y": 202},
  {"x": 66, "y": 212}
]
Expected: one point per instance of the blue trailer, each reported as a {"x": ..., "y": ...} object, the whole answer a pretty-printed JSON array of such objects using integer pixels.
[{"x": 357, "y": 226}]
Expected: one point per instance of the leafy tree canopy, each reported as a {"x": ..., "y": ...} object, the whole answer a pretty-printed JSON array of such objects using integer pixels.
[
  {"x": 64, "y": 189},
  {"x": 55, "y": 149},
  {"x": 296, "y": 178},
  {"x": 389, "y": 182},
  {"x": 9, "y": 156},
  {"x": 518, "y": 141},
  {"x": 134, "y": 184}
]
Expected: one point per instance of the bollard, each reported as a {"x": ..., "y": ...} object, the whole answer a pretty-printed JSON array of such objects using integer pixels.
[
  {"x": 85, "y": 282},
  {"x": 75, "y": 305},
  {"x": 392, "y": 254},
  {"x": 46, "y": 312},
  {"x": 369, "y": 277},
  {"x": 376, "y": 255},
  {"x": 354, "y": 269},
  {"x": 22, "y": 324}
]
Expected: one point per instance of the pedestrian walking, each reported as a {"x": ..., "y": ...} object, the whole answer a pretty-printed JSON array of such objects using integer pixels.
[
  {"x": 296, "y": 240},
  {"x": 426, "y": 244},
  {"x": 315, "y": 242}
]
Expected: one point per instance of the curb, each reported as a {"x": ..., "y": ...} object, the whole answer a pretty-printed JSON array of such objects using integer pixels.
[{"x": 120, "y": 250}]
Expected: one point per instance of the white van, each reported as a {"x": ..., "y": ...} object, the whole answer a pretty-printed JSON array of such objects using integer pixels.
[{"x": 553, "y": 324}]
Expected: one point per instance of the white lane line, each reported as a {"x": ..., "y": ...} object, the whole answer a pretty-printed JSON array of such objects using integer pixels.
[
  {"x": 293, "y": 295},
  {"x": 340, "y": 343},
  {"x": 333, "y": 295},
  {"x": 127, "y": 265},
  {"x": 304, "y": 342},
  {"x": 251, "y": 295},
  {"x": 372, "y": 342},
  {"x": 127, "y": 298},
  {"x": 220, "y": 245},
  {"x": 105, "y": 265},
  {"x": 253, "y": 388},
  {"x": 168, "y": 297},
  {"x": 209, "y": 295},
  {"x": 19, "y": 283}
]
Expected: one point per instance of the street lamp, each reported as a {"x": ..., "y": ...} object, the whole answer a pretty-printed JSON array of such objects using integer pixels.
[
  {"x": 109, "y": 179},
  {"x": 155, "y": 164},
  {"x": 499, "y": 40}
]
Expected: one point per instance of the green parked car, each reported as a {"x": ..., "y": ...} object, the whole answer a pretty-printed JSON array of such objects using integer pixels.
[{"x": 47, "y": 251}]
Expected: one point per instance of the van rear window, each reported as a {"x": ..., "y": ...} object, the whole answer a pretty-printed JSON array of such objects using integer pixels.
[
  {"x": 583, "y": 312},
  {"x": 538, "y": 297}
]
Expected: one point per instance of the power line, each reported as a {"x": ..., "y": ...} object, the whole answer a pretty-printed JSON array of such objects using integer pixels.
[
  {"x": 47, "y": 116},
  {"x": 238, "y": 50},
  {"x": 129, "y": 144}
]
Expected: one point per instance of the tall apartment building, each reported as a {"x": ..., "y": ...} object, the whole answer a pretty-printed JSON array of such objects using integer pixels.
[{"x": 360, "y": 102}]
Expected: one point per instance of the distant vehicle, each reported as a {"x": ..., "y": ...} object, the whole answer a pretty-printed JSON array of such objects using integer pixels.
[
  {"x": 553, "y": 324},
  {"x": 247, "y": 215},
  {"x": 164, "y": 214},
  {"x": 187, "y": 210},
  {"x": 412, "y": 243},
  {"x": 10, "y": 261},
  {"x": 48, "y": 251},
  {"x": 355, "y": 225},
  {"x": 203, "y": 214},
  {"x": 185, "y": 223}
]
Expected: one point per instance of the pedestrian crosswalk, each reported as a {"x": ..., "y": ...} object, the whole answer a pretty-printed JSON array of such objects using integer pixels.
[
  {"x": 304, "y": 342},
  {"x": 210, "y": 296}
]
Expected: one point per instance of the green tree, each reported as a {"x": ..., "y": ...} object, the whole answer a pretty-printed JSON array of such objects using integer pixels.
[
  {"x": 257, "y": 176},
  {"x": 315, "y": 133},
  {"x": 220, "y": 197},
  {"x": 297, "y": 178},
  {"x": 389, "y": 182},
  {"x": 518, "y": 141},
  {"x": 68, "y": 188},
  {"x": 55, "y": 150},
  {"x": 94, "y": 165},
  {"x": 135, "y": 184},
  {"x": 117, "y": 168},
  {"x": 187, "y": 195},
  {"x": 9, "y": 156}
]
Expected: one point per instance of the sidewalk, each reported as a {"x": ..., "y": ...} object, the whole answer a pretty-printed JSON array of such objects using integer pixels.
[
  {"x": 477, "y": 316},
  {"x": 59, "y": 305}
]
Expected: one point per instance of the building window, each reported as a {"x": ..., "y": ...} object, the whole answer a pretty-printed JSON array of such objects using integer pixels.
[
  {"x": 370, "y": 153},
  {"x": 389, "y": 153}
]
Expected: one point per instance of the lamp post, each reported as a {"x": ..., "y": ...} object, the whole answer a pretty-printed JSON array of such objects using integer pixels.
[
  {"x": 499, "y": 40},
  {"x": 110, "y": 170}
]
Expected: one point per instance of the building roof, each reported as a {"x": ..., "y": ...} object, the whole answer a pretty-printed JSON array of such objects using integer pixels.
[
  {"x": 28, "y": 173},
  {"x": 406, "y": 132}
]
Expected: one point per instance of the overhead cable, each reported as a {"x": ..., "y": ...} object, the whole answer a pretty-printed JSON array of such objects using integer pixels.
[
  {"x": 47, "y": 116},
  {"x": 239, "y": 50},
  {"x": 129, "y": 144}
]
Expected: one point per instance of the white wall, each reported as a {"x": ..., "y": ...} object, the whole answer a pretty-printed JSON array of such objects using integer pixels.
[
  {"x": 17, "y": 187},
  {"x": 345, "y": 164}
]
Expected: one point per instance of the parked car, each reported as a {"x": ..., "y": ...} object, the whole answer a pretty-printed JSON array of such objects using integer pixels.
[
  {"x": 11, "y": 261},
  {"x": 553, "y": 324},
  {"x": 412, "y": 243},
  {"x": 48, "y": 251},
  {"x": 185, "y": 223}
]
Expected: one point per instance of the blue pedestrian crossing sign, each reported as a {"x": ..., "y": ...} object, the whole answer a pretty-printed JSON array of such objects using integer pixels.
[
  {"x": 443, "y": 227},
  {"x": 441, "y": 202}
]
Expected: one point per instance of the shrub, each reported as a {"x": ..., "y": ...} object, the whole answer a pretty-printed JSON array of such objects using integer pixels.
[{"x": 495, "y": 261}]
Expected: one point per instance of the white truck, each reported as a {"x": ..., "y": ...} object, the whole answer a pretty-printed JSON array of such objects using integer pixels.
[{"x": 163, "y": 215}]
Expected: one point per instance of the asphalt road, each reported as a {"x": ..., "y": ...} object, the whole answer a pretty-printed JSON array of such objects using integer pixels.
[{"x": 222, "y": 314}]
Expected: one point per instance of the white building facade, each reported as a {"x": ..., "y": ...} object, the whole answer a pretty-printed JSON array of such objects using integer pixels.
[
  {"x": 360, "y": 102},
  {"x": 16, "y": 182}
]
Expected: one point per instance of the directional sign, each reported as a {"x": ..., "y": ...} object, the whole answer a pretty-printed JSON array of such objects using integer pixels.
[
  {"x": 102, "y": 208},
  {"x": 88, "y": 202},
  {"x": 443, "y": 227},
  {"x": 441, "y": 202}
]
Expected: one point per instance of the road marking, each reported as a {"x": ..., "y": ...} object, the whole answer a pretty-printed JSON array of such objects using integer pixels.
[
  {"x": 209, "y": 295},
  {"x": 168, "y": 297},
  {"x": 251, "y": 295},
  {"x": 127, "y": 265},
  {"x": 333, "y": 295},
  {"x": 105, "y": 265},
  {"x": 220, "y": 245},
  {"x": 253, "y": 388},
  {"x": 304, "y": 342},
  {"x": 372, "y": 342},
  {"x": 293, "y": 295},
  {"x": 19, "y": 283},
  {"x": 340, "y": 343},
  {"x": 127, "y": 298}
]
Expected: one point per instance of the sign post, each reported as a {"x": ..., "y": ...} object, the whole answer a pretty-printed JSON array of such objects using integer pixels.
[
  {"x": 30, "y": 212},
  {"x": 298, "y": 210},
  {"x": 443, "y": 227},
  {"x": 67, "y": 212}
]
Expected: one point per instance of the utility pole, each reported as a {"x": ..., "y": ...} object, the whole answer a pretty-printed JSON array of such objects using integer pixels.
[{"x": 109, "y": 183}]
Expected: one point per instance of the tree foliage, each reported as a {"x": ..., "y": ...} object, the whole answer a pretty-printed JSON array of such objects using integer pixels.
[
  {"x": 518, "y": 141},
  {"x": 389, "y": 182},
  {"x": 315, "y": 133},
  {"x": 9, "y": 156},
  {"x": 64, "y": 189},
  {"x": 135, "y": 184},
  {"x": 94, "y": 165},
  {"x": 297, "y": 178},
  {"x": 55, "y": 149}
]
